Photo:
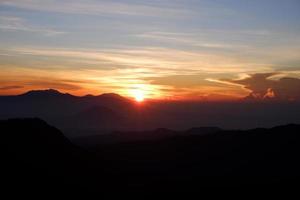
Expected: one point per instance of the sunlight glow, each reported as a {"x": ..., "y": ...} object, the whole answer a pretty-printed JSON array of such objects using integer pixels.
[
  {"x": 139, "y": 95},
  {"x": 139, "y": 92}
]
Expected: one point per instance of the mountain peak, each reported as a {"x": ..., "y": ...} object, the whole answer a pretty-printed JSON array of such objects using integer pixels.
[
  {"x": 48, "y": 92},
  {"x": 113, "y": 95},
  {"x": 204, "y": 130}
]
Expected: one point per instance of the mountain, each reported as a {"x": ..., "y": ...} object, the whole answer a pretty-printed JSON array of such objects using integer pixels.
[
  {"x": 161, "y": 133},
  {"x": 203, "y": 130},
  {"x": 115, "y": 137},
  {"x": 110, "y": 112},
  {"x": 44, "y": 94},
  {"x": 97, "y": 116},
  {"x": 32, "y": 138},
  {"x": 130, "y": 136},
  {"x": 65, "y": 110},
  {"x": 226, "y": 158},
  {"x": 53, "y": 97},
  {"x": 37, "y": 155},
  {"x": 42, "y": 103}
]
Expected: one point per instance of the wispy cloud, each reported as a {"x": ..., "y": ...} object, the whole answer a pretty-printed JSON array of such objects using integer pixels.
[
  {"x": 93, "y": 7},
  {"x": 191, "y": 39},
  {"x": 150, "y": 58},
  {"x": 11, "y": 87},
  {"x": 160, "y": 69},
  {"x": 57, "y": 84},
  {"x": 9, "y": 23}
]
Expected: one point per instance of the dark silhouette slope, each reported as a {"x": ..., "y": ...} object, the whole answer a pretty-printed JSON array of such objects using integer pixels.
[
  {"x": 36, "y": 155},
  {"x": 33, "y": 138},
  {"x": 224, "y": 158}
]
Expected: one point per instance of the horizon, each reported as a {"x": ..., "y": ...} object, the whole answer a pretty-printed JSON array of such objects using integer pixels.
[
  {"x": 220, "y": 50},
  {"x": 149, "y": 100},
  {"x": 81, "y": 115}
]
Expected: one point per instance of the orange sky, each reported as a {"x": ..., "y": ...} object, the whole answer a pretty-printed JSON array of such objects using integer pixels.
[{"x": 195, "y": 50}]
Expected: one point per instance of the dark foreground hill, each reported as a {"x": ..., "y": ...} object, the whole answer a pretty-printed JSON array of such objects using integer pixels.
[{"x": 36, "y": 155}]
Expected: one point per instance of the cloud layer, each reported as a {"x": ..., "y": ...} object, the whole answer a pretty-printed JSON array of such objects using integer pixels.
[{"x": 262, "y": 86}]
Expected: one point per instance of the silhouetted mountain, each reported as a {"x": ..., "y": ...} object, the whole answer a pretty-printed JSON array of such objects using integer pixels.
[
  {"x": 109, "y": 100},
  {"x": 203, "y": 130},
  {"x": 43, "y": 94},
  {"x": 110, "y": 112},
  {"x": 98, "y": 112},
  {"x": 159, "y": 133},
  {"x": 52, "y": 96},
  {"x": 115, "y": 137},
  {"x": 62, "y": 109},
  {"x": 224, "y": 158},
  {"x": 97, "y": 116},
  {"x": 36, "y": 155}
]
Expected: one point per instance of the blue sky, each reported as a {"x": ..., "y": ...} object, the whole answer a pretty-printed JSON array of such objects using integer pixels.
[{"x": 100, "y": 46}]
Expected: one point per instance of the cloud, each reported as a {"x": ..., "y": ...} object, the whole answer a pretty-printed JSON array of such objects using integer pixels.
[
  {"x": 167, "y": 59},
  {"x": 264, "y": 86},
  {"x": 10, "y": 23},
  {"x": 53, "y": 84},
  {"x": 190, "y": 39},
  {"x": 92, "y": 7},
  {"x": 160, "y": 67},
  {"x": 11, "y": 87}
]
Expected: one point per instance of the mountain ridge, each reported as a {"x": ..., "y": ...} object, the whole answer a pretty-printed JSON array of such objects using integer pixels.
[
  {"x": 60, "y": 110},
  {"x": 260, "y": 157}
]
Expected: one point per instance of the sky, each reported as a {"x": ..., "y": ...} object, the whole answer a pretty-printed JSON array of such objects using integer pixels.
[{"x": 159, "y": 49}]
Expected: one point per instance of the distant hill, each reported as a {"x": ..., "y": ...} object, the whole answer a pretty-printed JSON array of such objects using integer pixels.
[
  {"x": 223, "y": 158},
  {"x": 63, "y": 101},
  {"x": 64, "y": 110},
  {"x": 92, "y": 140},
  {"x": 97, "y": 114},
  {"x": 133, "y": 136},
  {"x": 43, "y": 93},
  {"x": 203, "y": 130}
]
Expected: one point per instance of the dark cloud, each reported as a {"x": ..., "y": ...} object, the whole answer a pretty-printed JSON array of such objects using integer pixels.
[
  {"x": 11, "y": 87},
  {"x": 262, "y": 87},
  {"x": 54, "y": 84}
]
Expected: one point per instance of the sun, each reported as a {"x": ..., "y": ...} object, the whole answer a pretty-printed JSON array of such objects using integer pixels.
[
  {"x": 138, "y": 95},
  {"x": 141, "y": 92}
]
